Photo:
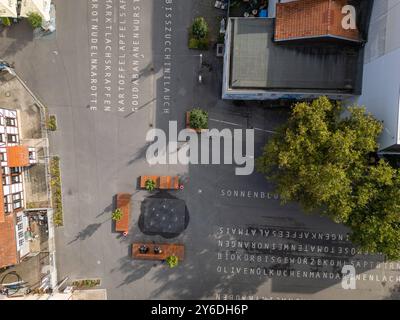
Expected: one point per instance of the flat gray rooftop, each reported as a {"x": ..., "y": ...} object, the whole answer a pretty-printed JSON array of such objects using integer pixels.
[{"x": 259, "y": 63}]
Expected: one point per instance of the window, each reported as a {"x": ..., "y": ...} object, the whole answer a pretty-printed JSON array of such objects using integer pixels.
[
  {"x": 11, "y": 138},
  {"x": 21, "y": 242},
  {"x": 16, "y": 179},
  {"x": 2, "y": 156},
  {"x": 1, "y": 137},
  {"x": 19, "y": 219},
  {"x": 11, "y": 122},
  {"x": 20, "y": 226},
  {"x": 17, "y": 202},
  {"x": 6, "y": 204},
  {"x": 17, "y": 196},
  {"x": 15, "y": 170},
  {"x": 20, "y": 234},
  {"x": 4, "y": 180}
]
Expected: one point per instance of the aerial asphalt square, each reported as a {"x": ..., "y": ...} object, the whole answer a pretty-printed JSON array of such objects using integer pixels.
[{"x": 119, "y": 68}]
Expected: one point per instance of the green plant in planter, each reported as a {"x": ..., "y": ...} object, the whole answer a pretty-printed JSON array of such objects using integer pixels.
[
  {"x": 52, "y": 123},
  {"x": 35, "y": 20},
  {"x": 198, "y": 119},
  {"x": 117, "y": 215},
  {"x": 150, "y": 185},
  {"x": 172, "y": 261},
  {"x": 200, "y": 28}
]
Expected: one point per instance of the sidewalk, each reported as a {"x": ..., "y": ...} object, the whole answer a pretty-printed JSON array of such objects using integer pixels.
[{"x": 14, "y": 94}]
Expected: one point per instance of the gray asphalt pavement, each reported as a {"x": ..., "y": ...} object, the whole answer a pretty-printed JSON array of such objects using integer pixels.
[{"x": 118, "y": 68}]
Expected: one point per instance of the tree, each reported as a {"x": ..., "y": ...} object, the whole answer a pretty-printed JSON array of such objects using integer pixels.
[
  {"x": 150, "y": 185},
  {"x": 375, "y": 221},
  {"x": 200, "y": 28},
  {"x": 172, "y": 261},
  {"x": 198, "y": 119},
  {"x": 117, "y": 214},
  {"x": 321, "y": 159},
  {"x": 35, "y": 19}
]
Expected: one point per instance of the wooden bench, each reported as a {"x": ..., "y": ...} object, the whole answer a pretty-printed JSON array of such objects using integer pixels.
[
  {"x": 124, "y": 204},
  {"x": 169, "y": 183},
  {"x": 162, "y": 182},
  {"x": 167, "y": 250},
  {"x": 143, "y": 180}
]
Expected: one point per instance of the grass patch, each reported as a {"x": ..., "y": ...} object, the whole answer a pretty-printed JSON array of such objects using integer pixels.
[
  {"x": 52, "y": 123},
  {"x": 55, "y": 182},
  {"x": 199, "y": 44}
]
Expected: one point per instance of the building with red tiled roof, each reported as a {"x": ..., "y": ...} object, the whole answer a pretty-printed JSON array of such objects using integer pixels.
[
  {"x": 13, "y": 222},
  {"x": 306, "y": 19}
]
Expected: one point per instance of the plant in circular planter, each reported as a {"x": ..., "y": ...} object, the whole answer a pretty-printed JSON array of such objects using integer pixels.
[
  {"x": 117, "y": 215},
  {"x": 198, "y": 119},
  {"x": 150, "y": 185},
  {"x": 172, "y": 261}
]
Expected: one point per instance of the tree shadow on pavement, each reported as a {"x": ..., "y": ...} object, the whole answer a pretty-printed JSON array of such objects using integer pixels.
[
  {"x": 87, "y": 232},
  {"x": 20, "y": 34}
]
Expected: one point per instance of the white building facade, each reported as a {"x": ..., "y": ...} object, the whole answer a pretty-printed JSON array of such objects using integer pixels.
[{"x": 381, "y": 78}]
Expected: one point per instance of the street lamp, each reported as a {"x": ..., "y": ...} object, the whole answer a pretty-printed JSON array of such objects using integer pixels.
[{"x": 200, "y": 68}]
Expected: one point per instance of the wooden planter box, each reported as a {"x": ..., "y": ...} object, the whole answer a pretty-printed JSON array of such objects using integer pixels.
[
  {"x": 162, "y": 182},
  {"x": 167, "y": 250},
  {"x": 124, "y": 204}
]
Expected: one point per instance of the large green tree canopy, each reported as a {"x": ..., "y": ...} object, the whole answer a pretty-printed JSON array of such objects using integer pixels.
[{"x": 321, "y": 158}]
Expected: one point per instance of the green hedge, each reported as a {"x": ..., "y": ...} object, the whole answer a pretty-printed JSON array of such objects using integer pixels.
[
  {"x": 55, "y": 182},
  {"x": 199, "y": 44},
  {"x": 86, "y": 283},
  {"x": 52, "y": 123}
]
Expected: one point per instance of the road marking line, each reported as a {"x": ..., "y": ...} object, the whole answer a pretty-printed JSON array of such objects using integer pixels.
[
  {"x": 268, "y": 131},
  {"x": 226, "y": 122},
  {"x": 238, "y": 125}
]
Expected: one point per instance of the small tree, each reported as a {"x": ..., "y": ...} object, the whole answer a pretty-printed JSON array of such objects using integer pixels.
[
  {"x": 200, "y": 28},
  {"x": 117, "y": 215},
  {"x": 6, "y": 21},
  {"x": 172, "y": 261},
  {"x": 35, "y": 19},
  {"x": 150, "y": 185},
  {"x": 198, "y": 119}
]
